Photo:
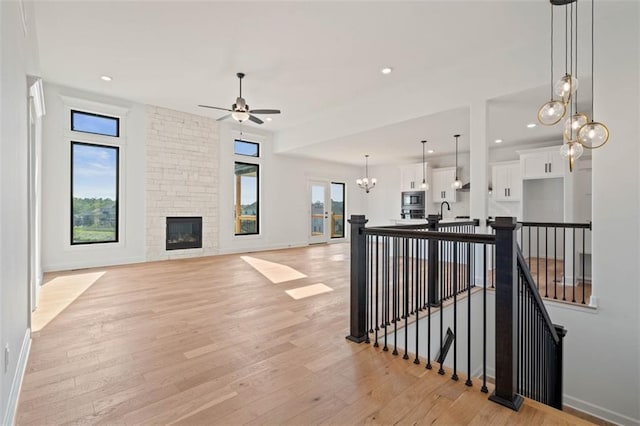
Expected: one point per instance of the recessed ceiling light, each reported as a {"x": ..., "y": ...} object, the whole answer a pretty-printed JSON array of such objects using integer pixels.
[
  {"x": 430, "y": 151},
  {"x": 498, "y": 141},
  {"x": 106, "y": 78},
  {"x": 531, "y": 125},
  {"x": 386, "y": 70},
  {"x": 268, "y": 118}
]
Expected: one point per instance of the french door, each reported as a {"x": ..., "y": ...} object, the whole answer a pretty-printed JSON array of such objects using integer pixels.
[{"x": 326, "y": 211}]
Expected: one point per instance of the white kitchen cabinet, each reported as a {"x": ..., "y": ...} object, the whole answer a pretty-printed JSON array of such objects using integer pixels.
[
  {"x": 441, "y": 180},
  {"x": 506, "y": 181},
  {"x": 411, "y": 177},
  {"x": 542, "y": 163}
]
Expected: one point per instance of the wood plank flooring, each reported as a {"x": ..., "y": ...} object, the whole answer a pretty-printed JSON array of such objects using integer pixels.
[{"x": 213, "y": 341}]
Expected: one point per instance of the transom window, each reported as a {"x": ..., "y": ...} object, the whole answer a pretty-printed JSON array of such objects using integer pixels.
[
  {"x": 96, "y": 124},
  {"x": 250, "y": 149}
]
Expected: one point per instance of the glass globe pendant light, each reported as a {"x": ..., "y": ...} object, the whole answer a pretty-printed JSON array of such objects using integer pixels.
[
  {"x": 572, "y": 150},
  {"x": 457, "y": 184},
  {"x": 593, "y": 135},
  {"x": 574, "y": 123},
  {"x": 551, "y": 112},
  {"x": 425, "y": 184}
]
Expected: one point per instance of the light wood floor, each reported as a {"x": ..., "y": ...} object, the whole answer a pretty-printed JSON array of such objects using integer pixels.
[{"x": 212, "y": 341}]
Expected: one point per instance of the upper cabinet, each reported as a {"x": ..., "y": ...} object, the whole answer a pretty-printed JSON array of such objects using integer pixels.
[
  {"x": 542, "y": 163},
  {"x": 441, "y": 180},
  {"x": 411, "y": 177},
  {"x": 506, "y": 181}
]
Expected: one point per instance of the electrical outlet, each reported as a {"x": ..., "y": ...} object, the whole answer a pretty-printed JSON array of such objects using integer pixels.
[{"x": 6, "y": 358}]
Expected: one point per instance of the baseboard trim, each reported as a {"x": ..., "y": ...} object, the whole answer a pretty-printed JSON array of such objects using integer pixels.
[
  {"x": 599, "y": 412},
  {"x": 16, "y": 385},
  {"x": 92, "y": 264}
]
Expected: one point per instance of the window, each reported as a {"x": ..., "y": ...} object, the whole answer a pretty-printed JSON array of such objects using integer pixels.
[
  {"x": 250, "y": 149},
  {"x": 246, "y": 198},
  {"x": 94, "y": 193},
  {"x": 87, "y": 122},
  {"x": 337, "y": 210}
]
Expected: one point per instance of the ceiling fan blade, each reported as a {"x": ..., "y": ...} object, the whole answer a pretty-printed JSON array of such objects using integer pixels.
[
  {"x": 255, "y": 119},
  {"x": 265, "y": 111},
  {"x": 212, "y": 107},
  {"x": 224, "y": 117}
]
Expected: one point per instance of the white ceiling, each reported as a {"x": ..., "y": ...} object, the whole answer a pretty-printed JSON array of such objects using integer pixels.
[{"x": 317, "y": 61}]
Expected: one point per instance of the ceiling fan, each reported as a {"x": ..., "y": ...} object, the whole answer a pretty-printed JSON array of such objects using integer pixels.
[{"x": 240, "y": 111}]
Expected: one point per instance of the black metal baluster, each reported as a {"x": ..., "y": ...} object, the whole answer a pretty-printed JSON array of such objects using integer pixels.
[
  {"x": 546, "y": 266},
  {"x": 396, "y": 301},
  {"x": 441, "y": 370},
  {"x": 529, "y": 252},
  {"x": 385, "y": 291},
  {"x": 564, "y": 264},
  {"x": 573, "y": 260},
  {"x": 468, "y": 382},
  {"x": 377, "y": 316},
  {"x": 493, "y": 265},
  {"x": 584, "y": 285},
  {"x": 519, "y": 326},
  {"x": 417, "y": 296},
  {"x": 427, "y": 298},
  {"x": 367, "y": 283},
  {"x": 407, "y": 273},
  {"x": 455, "y": 311},
  {"x": 555, "y": 264},
  {"x": 484, "y": 321},
  {"x": 538, "y": 258}
]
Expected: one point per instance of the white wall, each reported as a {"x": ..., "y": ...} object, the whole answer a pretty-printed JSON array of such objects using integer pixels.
[
  {"x": 603, "y": 350},
  {"x": 57, "y": 253},
  {"x": 18, "y": 59},
  {"x": 284, "y": 195}
]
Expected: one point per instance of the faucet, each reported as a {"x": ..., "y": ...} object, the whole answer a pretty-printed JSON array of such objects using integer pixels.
[{"x": 442, "y": 205}]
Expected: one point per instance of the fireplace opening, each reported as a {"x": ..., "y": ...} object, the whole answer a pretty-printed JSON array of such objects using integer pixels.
[{"x": 184, "y": 233}]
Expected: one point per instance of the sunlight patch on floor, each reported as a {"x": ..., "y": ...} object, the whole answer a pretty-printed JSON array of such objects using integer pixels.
[
  {"x": 59, "y": 293},
  {"x": 308, "y": 291},
  {"x": 274, "y": 272}
]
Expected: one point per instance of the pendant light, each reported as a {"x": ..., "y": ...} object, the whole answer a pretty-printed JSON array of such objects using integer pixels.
[
  {"x": 457, "y": 184},
  {"x": 424, "y": 185},
  {"x": 568, "y": 84},
  {"x": 366, "y": 183},
  {"x": 593, "y": 134},
  {"x": 551, "y": 112}
]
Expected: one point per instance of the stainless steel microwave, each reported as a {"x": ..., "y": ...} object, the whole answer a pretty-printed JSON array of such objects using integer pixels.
[{"x": 413, "y": 199}]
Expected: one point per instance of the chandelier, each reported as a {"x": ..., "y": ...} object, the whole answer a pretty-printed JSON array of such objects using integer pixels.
[
  {"x": 366, "y": 183},
  {"x": 579, "y": 132}
]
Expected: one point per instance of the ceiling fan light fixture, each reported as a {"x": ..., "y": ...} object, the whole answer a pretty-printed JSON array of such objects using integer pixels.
[{"x": 240, "y": 116}]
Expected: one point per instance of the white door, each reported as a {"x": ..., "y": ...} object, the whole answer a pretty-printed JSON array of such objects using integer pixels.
[
  {"x": 319, "y": 210},
  {"x": 326, "y": 211}
]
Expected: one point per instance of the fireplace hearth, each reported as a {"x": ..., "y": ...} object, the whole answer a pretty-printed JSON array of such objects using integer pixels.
[{"x": 184, "y": 233}]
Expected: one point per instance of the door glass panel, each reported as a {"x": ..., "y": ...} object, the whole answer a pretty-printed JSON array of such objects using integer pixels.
[
  {"x": 337, "y": 210},
  {"x": 317, "y": 210}
]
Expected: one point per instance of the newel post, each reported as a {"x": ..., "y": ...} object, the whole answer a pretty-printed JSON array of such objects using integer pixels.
[
  {"x": 432, "y": 262},
  {"x": 506, "y": 314},
  {"x": 358, "y": 331}
]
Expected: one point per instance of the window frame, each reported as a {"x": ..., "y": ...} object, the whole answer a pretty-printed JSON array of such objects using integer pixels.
[
  {"x": 257, "y": 145},
  {"x": 117, "y": 200},
  {"x": 93, "y": 114},
  {"x": 258, "y": 191},
  {"x": 344, "y": 207}
]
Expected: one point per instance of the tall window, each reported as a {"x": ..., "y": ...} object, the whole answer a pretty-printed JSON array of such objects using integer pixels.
[
  {"x": 337, "y": 210},
  {"x": 247, "y": 208},
  {"x": 94, "y": 193}
]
